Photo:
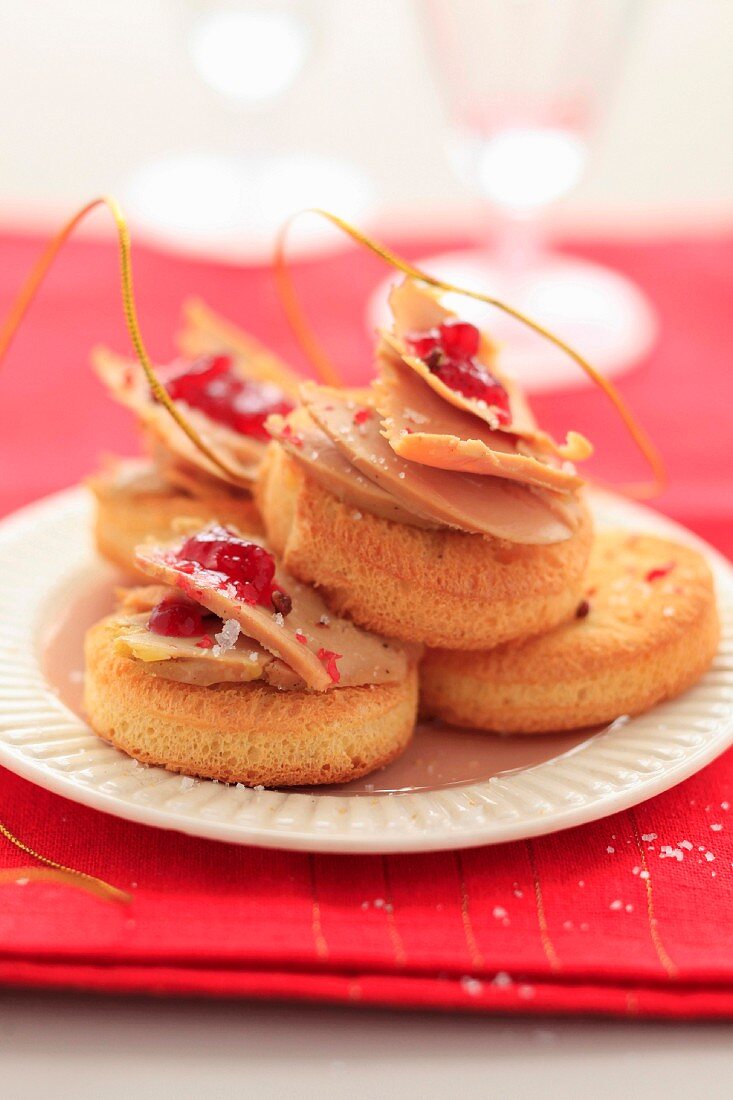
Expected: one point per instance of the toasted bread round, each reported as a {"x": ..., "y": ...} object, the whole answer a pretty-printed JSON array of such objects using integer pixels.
[
  {"x": 244, "y": 733},
  {"x": 127, "y": 514},
  {"x": 441, "y": 587},
  {"x": 646, "y": 630}
]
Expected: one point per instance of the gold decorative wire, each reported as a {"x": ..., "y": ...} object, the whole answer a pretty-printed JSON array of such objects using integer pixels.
[
  {"x": 38, "y": 273},
  {"x": 318, "y": 357},
  {"x": 58, "y": 872}
]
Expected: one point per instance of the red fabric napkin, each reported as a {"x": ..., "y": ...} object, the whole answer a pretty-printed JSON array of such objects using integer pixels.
[{"x": 570, "y": 923}]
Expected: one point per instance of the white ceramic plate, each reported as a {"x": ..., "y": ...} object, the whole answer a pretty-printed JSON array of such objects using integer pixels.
[{"x": 47, "y": 566}]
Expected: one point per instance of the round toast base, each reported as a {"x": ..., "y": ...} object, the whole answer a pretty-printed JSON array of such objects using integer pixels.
[
  {"x": 641, "y": 642},
  {"x": 438, "y": 587},
  {"x": 244, "y": 733}
]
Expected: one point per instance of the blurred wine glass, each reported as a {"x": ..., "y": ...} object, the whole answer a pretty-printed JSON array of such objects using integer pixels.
[
  {"x": 227, "y": 202},
  {"x": 523, "y": 81}
]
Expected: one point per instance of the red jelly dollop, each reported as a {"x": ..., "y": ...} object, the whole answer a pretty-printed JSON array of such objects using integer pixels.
[
  {"x": 246, "y": 565},
  {"x": 450, "y": 351},
  {"x": 213, "y": 385},
  {"x": 177, "y": 617}
]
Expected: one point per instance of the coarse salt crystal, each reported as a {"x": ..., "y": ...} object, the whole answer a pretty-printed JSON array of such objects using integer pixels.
[
  {"x": 472, "y": 986},
  {"x": 687, "y": 845},
  {"x": 716, "y": 828},
  {"x": 648, "y": 836},
  {"x": 610, "y": 849},
  {"x": 617, "y": 904},
  {"x": 227, "y": 637},
  {"x": 279, "y": 619},
  {"x": 501, "y": 979},
  {"x": 253, "y": 656},
  {"x": 709, "y": 857},
  {"x": 725, "y": 805},
  {"x": 499, "y": 912},
  {"x": 644, "y": 875},
  {"x": 187, "y": 782}
]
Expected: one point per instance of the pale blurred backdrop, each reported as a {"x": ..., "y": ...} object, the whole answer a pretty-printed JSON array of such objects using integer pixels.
[{"x": 93, "y": 91}]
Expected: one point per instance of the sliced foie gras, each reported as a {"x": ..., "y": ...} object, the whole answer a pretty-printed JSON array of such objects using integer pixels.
[
  {"x": 315, "y": 452},
  {"x": 481, "y": 505},
  {"x": 127, "y": 383},
  {"x": 200, "y": 659},
  {"x": 187, "y": 659},
  {"x": 204, "y": 332},
  {"x": 417, "y": 311},
  {"x": 420, "y": 426},
  {"x": 193, "y": 479},
  {"x": 321, "y": 648}
]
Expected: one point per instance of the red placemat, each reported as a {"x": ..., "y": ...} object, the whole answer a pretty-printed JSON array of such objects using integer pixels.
[{"x": 592, "y": 920}]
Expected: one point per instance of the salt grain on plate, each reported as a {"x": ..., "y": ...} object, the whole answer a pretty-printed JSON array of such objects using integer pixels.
[{"x": 187, "y": 782}]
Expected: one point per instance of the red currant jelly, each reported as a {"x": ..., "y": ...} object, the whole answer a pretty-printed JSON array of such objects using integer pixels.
[
  {"x": 449, "y": 352},
  {"x": 213, "y": 385},
  {"x": 328, "y": 658},
  {"x": 246, "y": 565},
  {"x": 177, "y": 617}
]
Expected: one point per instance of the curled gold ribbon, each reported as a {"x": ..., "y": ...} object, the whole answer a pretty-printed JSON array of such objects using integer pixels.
[
  {"x": 58, "y": 872},
  {"x": 310, "y": 344},
  {"x": 38, "y": 273}
]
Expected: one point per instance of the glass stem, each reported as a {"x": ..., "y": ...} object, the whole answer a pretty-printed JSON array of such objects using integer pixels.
[{"x": 518, "y": 242}]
